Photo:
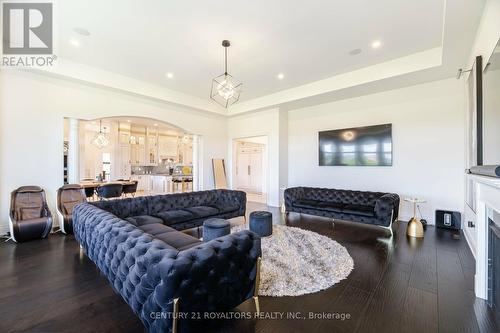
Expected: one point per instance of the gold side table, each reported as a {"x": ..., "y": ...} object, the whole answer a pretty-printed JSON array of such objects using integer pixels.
[{"x": 415, "y": 227}]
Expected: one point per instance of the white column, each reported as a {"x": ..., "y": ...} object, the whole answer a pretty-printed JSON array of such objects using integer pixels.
[
  {"x": 197, "y": 164},
  {"x": 73, "y": 151}
]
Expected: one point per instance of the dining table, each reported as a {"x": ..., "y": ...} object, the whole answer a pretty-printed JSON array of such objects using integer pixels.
[{"x": 96, "y": 183}]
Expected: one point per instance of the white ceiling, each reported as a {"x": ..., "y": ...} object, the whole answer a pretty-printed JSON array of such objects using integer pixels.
[{"x": 306, "y": 41}]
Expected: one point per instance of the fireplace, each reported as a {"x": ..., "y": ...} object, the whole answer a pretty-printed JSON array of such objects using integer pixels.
[
  {"x": 494, "y": 266},
  {"x": 480, "y": 228}
]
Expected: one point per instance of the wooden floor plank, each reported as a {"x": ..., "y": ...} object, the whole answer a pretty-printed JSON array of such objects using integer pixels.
[
  {"x": 387, "y": 302},
  {"x": 424, "y": 270},
  {"x": 455, "y": 301},
  {"x": 420, "y": 312}
]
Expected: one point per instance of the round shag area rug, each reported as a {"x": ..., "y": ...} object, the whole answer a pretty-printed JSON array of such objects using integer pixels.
[{"x": 297, "y": 262}]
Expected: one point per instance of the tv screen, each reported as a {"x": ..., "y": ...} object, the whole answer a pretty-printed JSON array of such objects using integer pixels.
[{"x": 360, "y": 146}]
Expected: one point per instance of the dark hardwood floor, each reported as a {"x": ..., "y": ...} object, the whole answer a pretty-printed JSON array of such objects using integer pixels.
[{"x": 397, "y": 285}]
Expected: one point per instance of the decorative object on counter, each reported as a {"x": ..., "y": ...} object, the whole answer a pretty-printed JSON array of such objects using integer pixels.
[
  {"x": 486, "y": 170},
  {"x": 101, "y": 177},
  {"x": 219, "y": 169},
  {"x": 415, "y": 227},
  {"x": 215, "y": 228},
  {"x": 261, "y": 222},
  {"x": 100, "y": 140},
  {"x": 29, "y": 216}
]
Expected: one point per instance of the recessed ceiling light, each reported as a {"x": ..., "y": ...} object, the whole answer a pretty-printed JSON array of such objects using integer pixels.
[
  {"x": 376, "y": 44},
  {"x": 156, "y": 124},
  {"x": 169, "y": 75},
  {"x": 128, "y": 120},
  {"x": 355, "y": 52},
  {"x": 82, "y": 31},
  {"x": 281, "y": 76},
  {"x": 74, "y": 42}
]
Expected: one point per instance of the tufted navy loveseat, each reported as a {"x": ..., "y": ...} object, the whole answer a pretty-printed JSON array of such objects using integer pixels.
[
  {"x": 360, "y": 206},
  {"x": 160, "y": 271},
  {"x": 181, "y": 210}
]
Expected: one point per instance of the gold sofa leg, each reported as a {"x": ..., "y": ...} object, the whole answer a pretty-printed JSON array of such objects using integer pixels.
[
  {"x": 175, "y": 314},
  {"x": 257, "y": 284}
]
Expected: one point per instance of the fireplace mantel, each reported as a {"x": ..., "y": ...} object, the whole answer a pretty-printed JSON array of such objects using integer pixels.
[{"x": 487, "y": 193}]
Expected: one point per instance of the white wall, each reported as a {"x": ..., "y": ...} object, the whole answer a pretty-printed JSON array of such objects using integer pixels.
[
  {"x": 491, "y": 109},
  {"x": 428, "y": 144},
  {"x": 32, "y": 109},
  {"x": 263, "y": 123}
]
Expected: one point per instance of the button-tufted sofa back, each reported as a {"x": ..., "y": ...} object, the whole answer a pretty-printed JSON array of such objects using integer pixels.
[
  {"x": 149, "y": 274},
  {"x": 360, "y": 206},
  {"x": 151, "y": 205},
  {"x": 342, "y": 196}
]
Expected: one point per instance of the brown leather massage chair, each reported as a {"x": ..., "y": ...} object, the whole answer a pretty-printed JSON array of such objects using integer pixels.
[
  {"x": 68, "y": 197},
  {"x": 30, "y": 217}
]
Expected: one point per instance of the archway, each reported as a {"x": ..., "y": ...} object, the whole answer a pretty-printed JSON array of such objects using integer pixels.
[{"x": 161, "y": 157}]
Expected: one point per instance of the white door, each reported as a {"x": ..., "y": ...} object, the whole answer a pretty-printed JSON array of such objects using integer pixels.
[
  {"x": 249, "y": 171},
  {"x": 256, "y": 171},
  {"x": 243, "y": 170}
]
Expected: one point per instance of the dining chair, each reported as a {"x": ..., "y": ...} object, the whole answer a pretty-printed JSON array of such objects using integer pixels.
[
  {"x": 130, "y": 188},
  {"x": 109, "y": 191}
]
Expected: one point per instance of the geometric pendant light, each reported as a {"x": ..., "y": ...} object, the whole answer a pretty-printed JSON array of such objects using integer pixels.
[
  {"x": 226, "y": 89},
  {"x": 100, "y": 140}
]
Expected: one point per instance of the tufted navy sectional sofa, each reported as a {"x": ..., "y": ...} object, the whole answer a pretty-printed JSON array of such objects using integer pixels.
[
  {"x": 375, "y": 208},
  {"x": 180, "y": 211},
  {"x": 156, "y": 268}
]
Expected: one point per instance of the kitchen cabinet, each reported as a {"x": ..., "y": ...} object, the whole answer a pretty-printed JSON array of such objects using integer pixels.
[
  {"x": 161, "y": 184},
  {"x": 167, "y": 147},
  {"x": 152, "y": 147},
  {"x": 124, "y": 137},
  {"x": 123, "y": 159},
  {"x": 137, "y": 148},
  {"x": 143, "y": 182},
  {"x": 138, "y": 154},
  {"x": 186, "y": 153}
]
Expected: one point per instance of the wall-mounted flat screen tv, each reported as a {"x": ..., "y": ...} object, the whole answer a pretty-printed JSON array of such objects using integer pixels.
[{"x": 360, "y": 146}]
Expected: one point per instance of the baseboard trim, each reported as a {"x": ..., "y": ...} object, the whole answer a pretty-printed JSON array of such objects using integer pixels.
[{"x": 470, "y": 243}]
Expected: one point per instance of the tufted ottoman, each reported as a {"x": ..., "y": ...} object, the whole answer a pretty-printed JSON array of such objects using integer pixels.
[
  {"x": 215, "y": 228},
  {"x": 261, "y": 223}
]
